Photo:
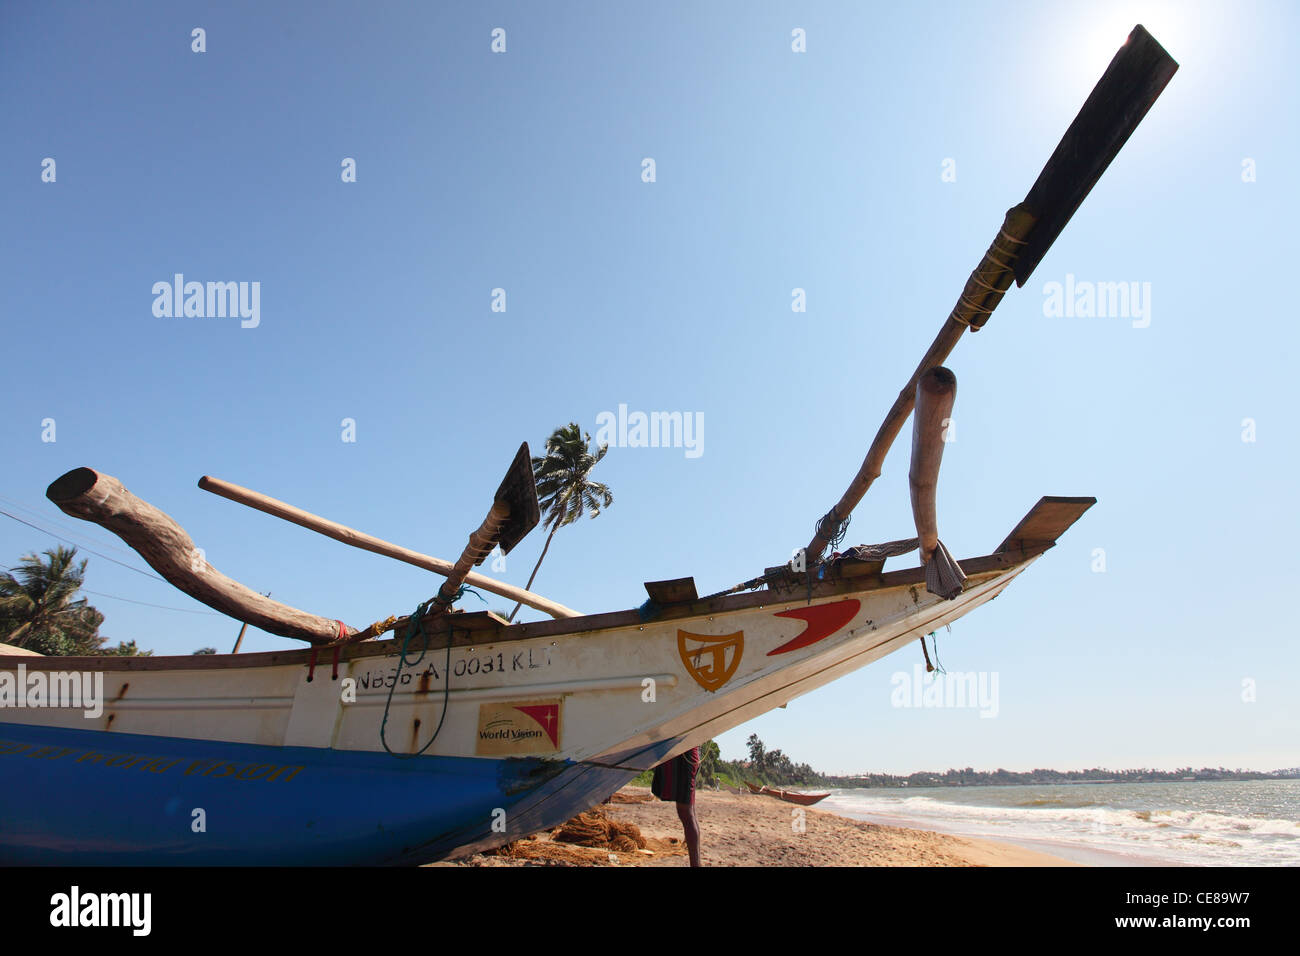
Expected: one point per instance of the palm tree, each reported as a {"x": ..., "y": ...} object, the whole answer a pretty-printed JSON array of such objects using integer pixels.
[
  {"x": 564, "y": 491},
  {"x": 39, "y": 606}
]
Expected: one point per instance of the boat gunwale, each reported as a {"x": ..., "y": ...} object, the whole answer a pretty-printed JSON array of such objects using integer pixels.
[{"x": 488, "y": 632}]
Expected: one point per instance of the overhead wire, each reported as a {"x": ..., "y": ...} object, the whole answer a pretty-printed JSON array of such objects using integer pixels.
[
  {"x": 164, "y": 607},
  {"x": 71, "y": 541},
  {"x": 76, "y": 533}
]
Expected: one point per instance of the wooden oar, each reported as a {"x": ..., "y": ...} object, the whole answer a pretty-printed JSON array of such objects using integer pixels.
[
  {"x": 513, "y": 514},
  {"x": 481, "y": 543},
  {"x": 501, "y": 526},
  {"x": 366, "y": 542},
  {"x": 1136, "y": 76}
]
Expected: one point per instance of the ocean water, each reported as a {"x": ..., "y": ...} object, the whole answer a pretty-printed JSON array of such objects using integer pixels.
[{"x": 1219, "y": 823}]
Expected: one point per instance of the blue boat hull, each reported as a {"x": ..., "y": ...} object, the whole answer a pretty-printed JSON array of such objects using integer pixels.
[{"x": 151, "y": 800}]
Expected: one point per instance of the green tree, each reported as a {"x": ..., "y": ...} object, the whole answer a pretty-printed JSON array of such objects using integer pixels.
[
  {"x": 710, "y": 761},
  {"x": 565, "y": 490},
  {"x": 40, "y": 609},
  {"x": 123, "y": 649},
  {"x": 779, "y": 767}
]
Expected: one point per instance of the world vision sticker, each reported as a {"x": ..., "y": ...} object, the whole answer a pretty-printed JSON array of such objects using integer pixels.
[
  {"x": 706, "y": 657},
  {"x": 524, "y": 728}
]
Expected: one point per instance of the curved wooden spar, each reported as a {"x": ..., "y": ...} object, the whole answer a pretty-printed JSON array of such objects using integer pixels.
[
  {"x": 1125, "y": 93},
  {"x": 87, "y": 494},
  {"x": 935, "y": 394},
  {"x": 366, "y": 542},
  {"x": 984, "y": 290}
]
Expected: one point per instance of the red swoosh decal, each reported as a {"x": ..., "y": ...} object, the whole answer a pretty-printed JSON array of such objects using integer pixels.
[{"x": 823, "y": 621}]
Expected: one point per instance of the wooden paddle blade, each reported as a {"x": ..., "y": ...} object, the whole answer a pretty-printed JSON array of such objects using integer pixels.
[
  {"x": 519, "y": 491},
  {"x": 1050, "y": 518},
  {"x": 1126, "y": 91},
  {"x": 676, "y": 591}
]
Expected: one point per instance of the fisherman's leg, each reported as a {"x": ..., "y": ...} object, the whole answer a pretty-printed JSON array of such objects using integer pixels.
[{"x": 691, "y": 826}]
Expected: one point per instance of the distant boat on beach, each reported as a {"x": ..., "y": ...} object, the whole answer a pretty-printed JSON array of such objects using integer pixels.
[{"x": 789, "y": 796}]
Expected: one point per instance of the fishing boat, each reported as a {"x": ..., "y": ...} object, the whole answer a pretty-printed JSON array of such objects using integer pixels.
[
  {"x": 446, "y": 732},
  {"x": 789, "y": 796}
]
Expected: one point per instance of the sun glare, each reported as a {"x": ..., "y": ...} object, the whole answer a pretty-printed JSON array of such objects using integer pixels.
[{"x": 1175, "y": 25}]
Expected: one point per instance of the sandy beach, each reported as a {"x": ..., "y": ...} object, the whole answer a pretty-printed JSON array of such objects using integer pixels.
[{"x": 748, "y": 830}]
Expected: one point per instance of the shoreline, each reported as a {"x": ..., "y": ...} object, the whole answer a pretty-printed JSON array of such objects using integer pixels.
[
  {"x": 1068, "y": 852},
  {"x": 749, "y": 830}
]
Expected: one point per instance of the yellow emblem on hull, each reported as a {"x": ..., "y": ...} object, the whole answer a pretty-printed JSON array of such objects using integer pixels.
[{"x": 715, "y": 670}]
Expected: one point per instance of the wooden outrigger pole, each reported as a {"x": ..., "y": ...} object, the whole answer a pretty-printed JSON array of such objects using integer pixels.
[
  {"x": 1136, "y": 76},
  {"x": 243, "y": 629},
  {"x": 92, "y": 496},
  {"x": 367, "y": 542},
  {"x": 935, "y": 393}
]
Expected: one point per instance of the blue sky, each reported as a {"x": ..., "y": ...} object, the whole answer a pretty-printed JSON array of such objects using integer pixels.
[{"x": 775, "y": 170}]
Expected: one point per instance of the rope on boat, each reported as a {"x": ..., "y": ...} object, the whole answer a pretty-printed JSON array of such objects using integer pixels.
[
  {"x": 338, "y": 646},
  {"x": 390, "y": 623},
  {"x": 749, "y": 585},
  {"x": 990, "y": 280},
  {"x": 460, "y": 593},
  {"x": 833, "y": 540},
  {"x": 415, "y": 626},
  {"x": 841, "y": 528},
  {"x": 937, "y": 666}
]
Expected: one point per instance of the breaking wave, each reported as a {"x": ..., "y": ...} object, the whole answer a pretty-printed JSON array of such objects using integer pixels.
[{"x": 1228, "y": 823}]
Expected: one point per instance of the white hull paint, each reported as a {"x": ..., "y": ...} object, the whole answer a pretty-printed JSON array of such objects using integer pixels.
[{"x": 619, "y": 689}]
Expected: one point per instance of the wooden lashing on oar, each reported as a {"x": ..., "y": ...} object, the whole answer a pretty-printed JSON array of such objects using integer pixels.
[
  {"x": 514, "y": 512},
  {"x": 1132, "y": 82}
]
